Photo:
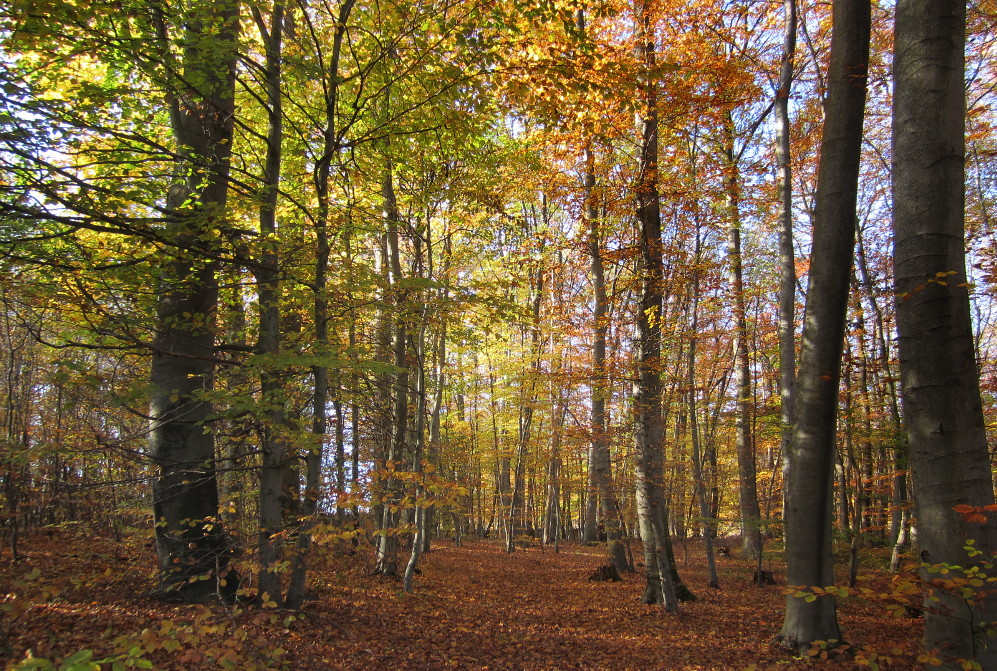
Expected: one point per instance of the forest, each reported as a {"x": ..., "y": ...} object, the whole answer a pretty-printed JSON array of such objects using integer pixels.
[{"x": 498, "y": 334}]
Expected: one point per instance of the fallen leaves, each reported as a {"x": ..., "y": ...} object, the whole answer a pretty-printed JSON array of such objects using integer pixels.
[{"x": 474, "y": 607}]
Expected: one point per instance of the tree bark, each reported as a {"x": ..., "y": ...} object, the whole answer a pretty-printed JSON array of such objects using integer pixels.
[
  {"x": 808, "y": 489},
  {"x": 939, "y": 375},
  {"x": 190, "y": 541},
  {"x": 787, "y": 260},
  {"x": 648, "y": 425},
  {"x": 600, "y": 464},
  {"x": 696, "y": 456},
  {"x": 331, "y": 143},
  {"x": 387, "y": 563},
  {"x": 273, "y": 445},
  {"x": 751, "y": 524}
]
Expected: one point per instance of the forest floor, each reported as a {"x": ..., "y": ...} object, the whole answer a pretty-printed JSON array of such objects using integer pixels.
[{"x": 474, "y": 607}]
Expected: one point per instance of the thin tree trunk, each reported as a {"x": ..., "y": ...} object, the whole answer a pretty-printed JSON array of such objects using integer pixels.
[
  {"x": 527, "y": 402},
  {"x": 808, "y": 488},
  {"x": 320, "y": 374},
  {"x": 697, "y": 461},
  {"x": 273, "y": 445},
  {"x": 418, "y": 539},
  {"x": 751, "y": 528},
  {"x": 648, "y": 425},
  {"x": 787, "y": 260},
  {"x": 387, "y": 563}
]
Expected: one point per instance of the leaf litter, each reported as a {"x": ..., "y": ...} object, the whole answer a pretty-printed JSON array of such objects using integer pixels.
[{"x": 473, "y": 607}]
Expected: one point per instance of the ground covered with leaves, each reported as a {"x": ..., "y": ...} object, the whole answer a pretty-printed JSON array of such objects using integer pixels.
[{"x": 474, "y": 607}]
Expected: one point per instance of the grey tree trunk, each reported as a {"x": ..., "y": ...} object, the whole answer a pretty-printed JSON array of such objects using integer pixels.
[
  {"x": 600, "y": 464},
  {"x": 435, "y": 438},
  {"x": 273, "y": 445},
  {"x": 696, "y": 456},
  {"x": 320, "y": 393},
  {"x": 808, "y": 488},
  {"x": 648, "y": 425},
  {"x": 887, "y": 381},
  {"x": 419, "y": 537},
  {"x": 387, "y": 562},
  {"x": 939, "y": 375},
  {"x": 527, "y": 401},
  {"x": 751, "y": 525},
  {"x": 787, "y": 260},
  {"x": 552, "y": 513},
  {"x": 190, "y": 542}
]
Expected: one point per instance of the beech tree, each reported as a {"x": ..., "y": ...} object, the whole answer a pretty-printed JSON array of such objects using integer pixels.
[
  {"x": 648, "y": 429},
  {"x": 808, "y": 514},
  {"x": 787, "y": 256},
  {"x": 949, "y": 454},
  {"x": 189, "y": 538}
]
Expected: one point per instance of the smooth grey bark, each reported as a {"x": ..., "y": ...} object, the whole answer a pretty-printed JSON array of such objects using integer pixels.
[
  {"x": 787, "y": 260},
  {"x": 696, "y": 455},
  {"x": 887, "y": 382},
  {"x": 552, "y": 514},
  {"x": 439, "y": 353},
  {"x": 808, "y": 488},
  {"x": 751, "y": 523},
  {"x": 528, "y": 397},
  {"x": 190, "y": 541},
  {"x": 939, "y": 374},
  {"x": 273, "y": 445},
  {"x": 601, "y": 488},
  {"x": 331, "y": 142},
  {"x": 387, "y": 563},
  {"x": 435, "y": 437},
  {"x": 419, "y": 537},
  {"x": 647, "y": 390},
  {"x": 598, "y": 443}
]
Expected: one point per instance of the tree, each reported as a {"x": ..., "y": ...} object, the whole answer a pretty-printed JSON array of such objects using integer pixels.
[
  {"x": 787, "y": 260},
  {"x": 600, "y": 464},
  {"x": 601, "y": 490},
  {"x": 751, "y": 518},
  {"x": 808, "y": 518},
  {"x": 273, "y": 439},
  {"x": 942, "y": 407},
  {"x": 648, "y": 429},
  {"x": 190, "y": 541}
]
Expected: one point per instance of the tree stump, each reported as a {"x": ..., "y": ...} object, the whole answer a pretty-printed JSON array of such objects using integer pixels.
[
  {"x": 605, "y": 573},
  {"x": 763, "y": 578}
]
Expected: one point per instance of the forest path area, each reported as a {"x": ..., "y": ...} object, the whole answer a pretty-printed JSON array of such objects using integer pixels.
[{"x": 474, "y": 607}]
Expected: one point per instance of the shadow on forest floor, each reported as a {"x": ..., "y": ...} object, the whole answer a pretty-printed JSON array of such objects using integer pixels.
[{"x": 473, "y": 607}]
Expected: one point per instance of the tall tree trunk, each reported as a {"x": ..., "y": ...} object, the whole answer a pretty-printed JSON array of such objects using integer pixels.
[
  {"x": 787, "y": 260},
  {"x": 331, "y": 142},
  {"x": 751, "y": 526},
  {"x": 435, "y": 437},
  {"x": 696, "y": 456},
  {"x": 418, "y": 540},
  {"x": 273, "y": 445},
  {"x": 552, "y": 513},
  {"x": 387, "y": 563},
  {"x": 899, "y": 502},
  {"x": 528, "y": 399},
  {"x": 808, "y": 488},
  {"x": 600, "y": 463},
  {"x": 648, "y": 425},
  {"x": 939, "y": 375},
  {"x": 189, "y": 540}
]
